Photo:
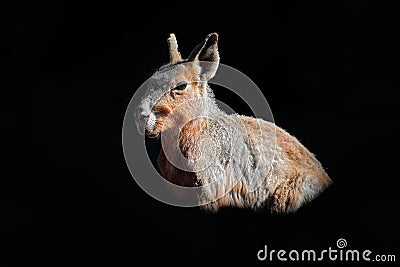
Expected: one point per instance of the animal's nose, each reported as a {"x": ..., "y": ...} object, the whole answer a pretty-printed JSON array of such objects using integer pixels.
[{"x": 141, "y": 119}]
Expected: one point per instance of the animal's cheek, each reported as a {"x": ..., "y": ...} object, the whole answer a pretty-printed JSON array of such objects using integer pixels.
[{"x": 160, "y": 124}]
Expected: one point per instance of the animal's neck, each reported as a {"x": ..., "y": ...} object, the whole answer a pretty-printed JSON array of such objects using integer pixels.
[
  {"x": 190, "y": 125},
  {"x": 196, "y": 109}
]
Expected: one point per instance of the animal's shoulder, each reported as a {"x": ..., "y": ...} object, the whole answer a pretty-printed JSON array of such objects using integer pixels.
[
  {"x": 264, "y": 133},
  {"x": 258, "y": 131}
]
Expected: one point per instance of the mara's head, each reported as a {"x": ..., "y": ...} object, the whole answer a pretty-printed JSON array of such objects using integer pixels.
[{"x": 179, "y": 81}]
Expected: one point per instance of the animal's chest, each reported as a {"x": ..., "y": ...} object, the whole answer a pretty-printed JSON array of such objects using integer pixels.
[
  {"x": 203, "y": 145},
  {"x": 174, "y": 174}
]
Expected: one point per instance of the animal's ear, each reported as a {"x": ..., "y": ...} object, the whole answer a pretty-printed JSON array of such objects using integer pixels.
[
  {"x": 207, "y": 56},
  {"x": 174, "y": 54}
]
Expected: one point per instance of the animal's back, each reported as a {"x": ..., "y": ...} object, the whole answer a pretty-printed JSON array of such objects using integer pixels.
[{"x": 296, "y": 176}]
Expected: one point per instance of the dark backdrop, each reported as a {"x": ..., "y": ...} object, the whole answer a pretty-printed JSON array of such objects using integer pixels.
[{"x": 329, "y": 72}]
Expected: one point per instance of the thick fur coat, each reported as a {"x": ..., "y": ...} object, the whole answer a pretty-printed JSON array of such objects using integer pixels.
[{"x": 248, "y": 162}]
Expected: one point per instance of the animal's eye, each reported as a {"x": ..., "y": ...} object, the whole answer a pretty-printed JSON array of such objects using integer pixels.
[{"x": 181, "y": 86}]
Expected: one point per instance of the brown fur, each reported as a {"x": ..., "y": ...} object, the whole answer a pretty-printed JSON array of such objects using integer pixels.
[{"x": 295, "y": 177}]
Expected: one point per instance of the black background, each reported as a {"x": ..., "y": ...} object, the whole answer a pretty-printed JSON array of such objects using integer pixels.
[{"x": 329, "y": 72}]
